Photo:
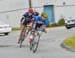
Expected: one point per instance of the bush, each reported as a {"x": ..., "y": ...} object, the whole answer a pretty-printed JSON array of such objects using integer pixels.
[
  {"x": 61, "y": 22},
  {"x": 70, "y": 41},
  {"x": 54, "y": 25},
  {"x": 15, "y": 28},
  {"x": 48, "y": 24}
]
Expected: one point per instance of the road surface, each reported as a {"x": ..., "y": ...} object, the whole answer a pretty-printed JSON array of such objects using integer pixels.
[{"x": 49, "y": 46}]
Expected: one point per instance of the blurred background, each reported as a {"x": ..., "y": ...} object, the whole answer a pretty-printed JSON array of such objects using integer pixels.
[{"x": 11, "y": 11}]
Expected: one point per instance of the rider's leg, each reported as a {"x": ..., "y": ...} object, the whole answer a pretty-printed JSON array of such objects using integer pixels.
[
  {"x": 29, "y": 24},
  {"x": 22, "y": 26},
  {"x": 31, "y": 36},
  {"x": 22, "y": 29}
]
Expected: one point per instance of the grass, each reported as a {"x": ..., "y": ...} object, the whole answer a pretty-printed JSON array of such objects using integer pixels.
[
  {"x": 18, "y": 28},
  {"x": 70, "y": 41},
  {"x": 15, "y": 28}
]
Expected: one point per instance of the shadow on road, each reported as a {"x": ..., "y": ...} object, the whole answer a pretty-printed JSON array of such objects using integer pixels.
[
  {"x": 2, "y": 35},
  {"x": 13, "y": 46}
]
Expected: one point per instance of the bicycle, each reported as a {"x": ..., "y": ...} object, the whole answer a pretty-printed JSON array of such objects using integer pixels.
[{"x": 36, "y": 38}]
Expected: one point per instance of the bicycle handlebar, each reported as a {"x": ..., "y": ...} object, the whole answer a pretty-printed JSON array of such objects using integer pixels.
[{"x": 39, "y": 29}]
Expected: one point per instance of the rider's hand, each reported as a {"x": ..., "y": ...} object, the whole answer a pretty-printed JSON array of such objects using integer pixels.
[
  {"x": 33, "y": 19},
  {"x": 43, "y": 27}
]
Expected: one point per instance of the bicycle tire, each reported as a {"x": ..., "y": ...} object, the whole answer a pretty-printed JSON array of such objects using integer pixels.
[
  {"x": 35, "y": 44},
  {"x": 23, "y": 37},
  {"x": 21, "y": 42}
]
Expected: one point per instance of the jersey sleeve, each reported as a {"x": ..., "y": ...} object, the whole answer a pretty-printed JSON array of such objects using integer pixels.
[
  {"x": 23, "y": 16},
  {"x": 45, "y": 22},
  {"x": 37, "y": 19}
]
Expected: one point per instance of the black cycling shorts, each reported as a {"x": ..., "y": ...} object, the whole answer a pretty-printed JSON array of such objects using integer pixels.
[{"x": 26, "y": 22}]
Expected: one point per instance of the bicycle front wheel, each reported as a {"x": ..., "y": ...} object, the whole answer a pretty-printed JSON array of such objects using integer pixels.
[
  {"x": 35, "y": 43},
  {"x": 22, "y": 38},
  {"x": 21, "y": 42}
]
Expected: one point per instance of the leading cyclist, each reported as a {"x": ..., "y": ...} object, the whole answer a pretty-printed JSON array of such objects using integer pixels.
[{"x": 40, "y": 22}]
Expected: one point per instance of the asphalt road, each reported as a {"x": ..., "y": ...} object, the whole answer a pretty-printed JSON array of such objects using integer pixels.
[{"x": 49, "y": 46}]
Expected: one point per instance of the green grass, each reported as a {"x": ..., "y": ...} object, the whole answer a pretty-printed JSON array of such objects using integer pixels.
[
  {"x": 18, "y": 28},
  {"x": 70, "y": 41},
  {"x": 15, "y": 28}
]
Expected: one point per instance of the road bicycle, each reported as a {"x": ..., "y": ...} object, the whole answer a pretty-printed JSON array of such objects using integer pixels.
[{"x": 36, "y": 38}]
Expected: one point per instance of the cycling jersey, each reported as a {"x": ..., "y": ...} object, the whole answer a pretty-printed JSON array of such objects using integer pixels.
[
  {"x": 26, "y": 18},
  {"x": 44, "y": 22}
]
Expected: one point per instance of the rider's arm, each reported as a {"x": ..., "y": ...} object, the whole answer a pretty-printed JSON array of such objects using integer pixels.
[
  {"x": 37, "y": 19},
  {"x": 23, "y": 17},
  {"x": 45, "y": 22},
  {"x": 33, "y": 17}
]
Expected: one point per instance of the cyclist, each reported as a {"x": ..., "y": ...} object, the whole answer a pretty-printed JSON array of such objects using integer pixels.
[
  {"x": 40, "y": 22},
  {"x": 26, "y": 21}
]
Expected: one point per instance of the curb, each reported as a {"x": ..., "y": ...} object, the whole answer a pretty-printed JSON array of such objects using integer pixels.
[
  {"x": 63, "y": 27},
  {"x": 18, "y": 28},
  {"x": 63, "y": 45}
]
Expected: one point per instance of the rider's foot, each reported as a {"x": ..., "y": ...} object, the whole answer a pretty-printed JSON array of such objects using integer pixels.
[
  {"x": 30, "y": 39},
  {"x": 18, "y": 41}
]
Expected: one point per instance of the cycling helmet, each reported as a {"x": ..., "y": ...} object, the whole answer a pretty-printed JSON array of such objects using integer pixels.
[{"x": 44, "y": 15}]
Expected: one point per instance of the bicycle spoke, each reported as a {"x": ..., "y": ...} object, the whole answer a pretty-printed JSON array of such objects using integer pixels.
[{"x": 35, "y": 43}]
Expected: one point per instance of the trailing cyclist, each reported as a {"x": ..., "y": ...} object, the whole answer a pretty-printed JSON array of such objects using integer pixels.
[{"x": 26, "y": 21}]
